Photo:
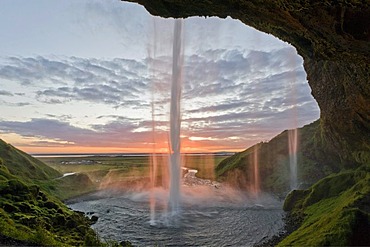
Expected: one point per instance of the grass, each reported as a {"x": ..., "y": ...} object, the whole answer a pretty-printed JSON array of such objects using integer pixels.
[
  {"x": 25, "y": 166},
  {"x": 29, "y": 214},
  {"x": 123, "y": 168},
  {"x": 336, "y": 211},
  {"x": 314, "y": 161},
  {"x": 33, "y": 171},
  {"x": 205, "y": 164}
]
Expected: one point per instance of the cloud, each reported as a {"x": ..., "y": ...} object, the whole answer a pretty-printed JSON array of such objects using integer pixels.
[
  {"x": 5, "y": 93},
  {"x": 251, "y": 95},
  {"x": 76, "y": 79},
  {"x": 220, "y": 106},
  {"x": 119, "y": 133},
  {"x": 44, "y": 128},
  {"x": 18, "y": 104}
]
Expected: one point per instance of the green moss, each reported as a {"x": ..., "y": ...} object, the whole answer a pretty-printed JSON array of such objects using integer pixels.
[
  {"x": 30, "y": 214},
  {"x": 333, "y": 208},
  {"x": 231, "y": 162},
  {"x": 69, "y": 186},
  {"x": 362, "y": 157},
  {"x": 295, "y": 200},
  {"x": 25, "y": 166},
  {"x": 330, "y": 186},
  {"x": 26, "y": 217},
  {"x": 314, "y": 161}
]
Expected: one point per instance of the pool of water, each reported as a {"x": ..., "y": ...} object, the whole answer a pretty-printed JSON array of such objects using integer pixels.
[{"x": 206, "y": 218}]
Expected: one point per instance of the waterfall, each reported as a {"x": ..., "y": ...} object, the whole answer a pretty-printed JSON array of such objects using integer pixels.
[
  {"x": 153, "y": 170},
  {"x": 293, "y": 143},
  {"x": 175, "y": 119},
  {"x": 257, "y": 186}
]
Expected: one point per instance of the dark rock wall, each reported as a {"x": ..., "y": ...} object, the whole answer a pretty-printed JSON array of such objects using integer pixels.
[
  {"x": 341, "y": 89},
  {"x": 333, "y": 37}
]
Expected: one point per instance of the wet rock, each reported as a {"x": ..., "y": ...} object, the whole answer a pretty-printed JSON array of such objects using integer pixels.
[
  {"x": 94, "y": 219},
  {"x": 291, "y": 223},
  {"x": 126, "y": 243}
]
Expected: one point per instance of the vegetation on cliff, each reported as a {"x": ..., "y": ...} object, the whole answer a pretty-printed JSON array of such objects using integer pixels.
[
  {"x": 336, "y": 211},
  {"x": 32, "y": 170},
  {"x": 313, "y": 160},
  {"x": 25, "y": 166},
  {"x": 29, "y": 215}
]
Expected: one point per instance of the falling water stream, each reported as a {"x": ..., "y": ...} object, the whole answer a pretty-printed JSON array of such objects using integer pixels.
[
  {"x": 192, "y": 211},
  {"x": 158, "y": 173},
  {"x": 257, "y": 186},
  {"x": 293, "y": 143},
  {"x": 175, "y": 119}
]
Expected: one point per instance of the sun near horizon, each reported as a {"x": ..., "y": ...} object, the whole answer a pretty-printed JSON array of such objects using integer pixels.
[{"x": 187, "y": 146}]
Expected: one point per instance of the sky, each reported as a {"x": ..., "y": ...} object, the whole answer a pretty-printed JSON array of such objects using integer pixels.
[{"x": 92, "y": 76}]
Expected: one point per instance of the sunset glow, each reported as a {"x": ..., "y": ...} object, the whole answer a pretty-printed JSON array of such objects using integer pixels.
[{"x": 89, "y": 77}]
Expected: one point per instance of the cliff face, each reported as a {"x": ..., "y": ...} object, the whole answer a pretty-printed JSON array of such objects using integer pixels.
[
  {"x": 314, "y": 162},
  {"x": 333, "y": 37}
]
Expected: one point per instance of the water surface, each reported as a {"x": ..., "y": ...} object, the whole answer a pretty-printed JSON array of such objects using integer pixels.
[{"x": 202, "y": 221}]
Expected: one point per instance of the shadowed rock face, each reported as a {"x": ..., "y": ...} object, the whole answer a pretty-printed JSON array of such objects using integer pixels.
[{"x": 333, "y": 37}]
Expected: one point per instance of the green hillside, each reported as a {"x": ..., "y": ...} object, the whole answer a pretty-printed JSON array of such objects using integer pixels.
[
  {"x": 25, "y": 166},
  {"x": 334, "y": 203},
  {"x": 313, "y": 160},
  {"x": 336, "y": 211},
  {"x": 32, "y": 170},
  {"x": 29, "y": 214}
]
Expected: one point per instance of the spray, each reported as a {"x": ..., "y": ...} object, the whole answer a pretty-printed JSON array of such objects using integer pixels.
[
  {"x": 256, "y": 171},
  {"x": 175, "y": 119},
  {"x": 293, "y": 144}
]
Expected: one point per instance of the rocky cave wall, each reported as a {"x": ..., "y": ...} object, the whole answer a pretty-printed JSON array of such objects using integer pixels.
[{"x": 333, "y": 37}]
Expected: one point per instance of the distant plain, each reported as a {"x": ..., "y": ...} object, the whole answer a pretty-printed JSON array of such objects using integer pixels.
[{"x": 126, "y": 167}]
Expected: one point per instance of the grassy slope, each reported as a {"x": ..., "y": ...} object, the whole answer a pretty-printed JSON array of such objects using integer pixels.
[
  {"x": 24, "y": 165},
  {"x": 336, "y": 211},
  {"x": 32, "y": 170},
  {"x": 314, "y": 161},
  {"x": 28, "y": 212}
]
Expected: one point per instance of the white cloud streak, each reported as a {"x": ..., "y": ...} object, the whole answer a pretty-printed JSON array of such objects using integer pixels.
[{"x": 252, "y": 95}]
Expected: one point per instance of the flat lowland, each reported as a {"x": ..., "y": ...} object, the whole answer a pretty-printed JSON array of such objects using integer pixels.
[{"x": 107, "y": 170}]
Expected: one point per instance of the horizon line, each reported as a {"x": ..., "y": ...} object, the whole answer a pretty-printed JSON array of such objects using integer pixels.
[{"x": 130, "y": 153}]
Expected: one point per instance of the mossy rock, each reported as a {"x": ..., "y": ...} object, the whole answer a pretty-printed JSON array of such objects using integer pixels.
[
  {"x": 330, "y": 186},
  {"x": 9, "y": 207},
  {"x": 94, "y": 219},
  {"x": 59, "y": 220},
  {"x": 295, "y": 200},
  {"x": 28, "y": 213},
  {"x": 24, "y": 207},
  {"x": 50, "y": 205},
  {"x": 336, "y": 211},
  {"x": 41, "y": 222}
]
